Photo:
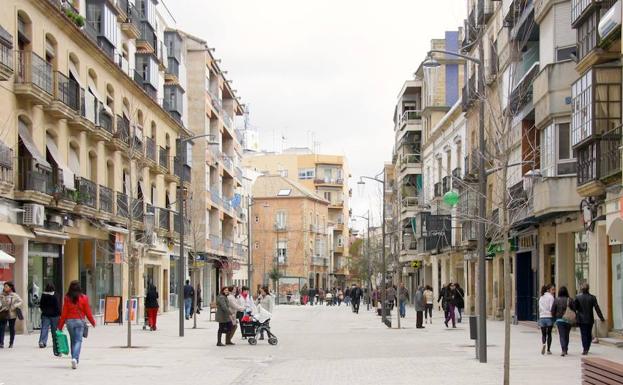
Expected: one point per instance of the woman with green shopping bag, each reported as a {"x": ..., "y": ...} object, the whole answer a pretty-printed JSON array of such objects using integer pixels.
[{"x": 75, "y": 309}]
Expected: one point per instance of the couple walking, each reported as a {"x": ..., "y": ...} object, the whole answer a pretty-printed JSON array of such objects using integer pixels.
[{"x": 453, "y": 302}]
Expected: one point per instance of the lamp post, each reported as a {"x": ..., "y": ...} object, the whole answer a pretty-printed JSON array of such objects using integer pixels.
[
  {"x": 182, "y": 199},
  {"x": 367, "y": 219},
  {"x": 384, "y": 268},
  {"x": 482, "y": 190}
]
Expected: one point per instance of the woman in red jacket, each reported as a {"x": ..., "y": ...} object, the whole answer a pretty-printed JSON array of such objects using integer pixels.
[{"x": 75, "y": 309}]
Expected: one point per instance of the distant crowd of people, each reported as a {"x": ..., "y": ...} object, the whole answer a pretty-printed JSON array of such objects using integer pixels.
[{"x": 350, "y": 296}]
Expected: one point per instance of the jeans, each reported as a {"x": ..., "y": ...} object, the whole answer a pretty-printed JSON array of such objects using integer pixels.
[
  {"x": 586, "y": 331},
  {"x": 188, "y": 303},
  {"x": 563, "y": 332},
  {"x": 75, "y": 327},
  {"x": 11, "y": 323},
  {"x": 428, "y": 311},
  {"x": 48, "y": 323},
  {"x": 356, "y": 306},
  {"x": 403, "y": 309}
]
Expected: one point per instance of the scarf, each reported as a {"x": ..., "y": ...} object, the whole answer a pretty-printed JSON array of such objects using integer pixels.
[{"x": 245, "y": 295}]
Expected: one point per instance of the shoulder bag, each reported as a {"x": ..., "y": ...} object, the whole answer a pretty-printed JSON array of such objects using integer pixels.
[
  {"x": 569, "y": 316},
  {"x": 4, "y": 313},
  {"x": 85, "y": 329}
]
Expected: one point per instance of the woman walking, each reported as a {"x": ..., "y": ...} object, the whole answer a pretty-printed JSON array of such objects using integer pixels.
[
  {"x": 237, "y": 311},
  {"x": 223, "y": 315},
  {"x": 75, "y": 309},
  {"x": 10, "y": 302},
  {"x": 266, "y": 302},
  {"x": 546, "y": 321},
  {"x": 50, "y": 311},
  {"x": 450, "y": 299},
  {"x": 151, "y": 306},
  {"x": 563, "y": 323},
  {"x": 429, "y": 298}
]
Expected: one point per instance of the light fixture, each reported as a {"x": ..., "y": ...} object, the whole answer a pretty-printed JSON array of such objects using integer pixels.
[{"x": 430, "y": 62}]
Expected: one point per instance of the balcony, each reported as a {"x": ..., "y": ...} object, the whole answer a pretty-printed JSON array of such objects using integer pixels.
[
  {"x": 523, "y": 22},
  {"x": 520, "y": 205},
  {"x": 103, "y": 123},
  {"x": 148, "y": 40},
  {"x": 551, "y": 92},
  {"x": 215, "y": 197},
  {"x": 34, "y": 182},
  {"x": 457, "y": 174},
  {"x": 433, "y": 232},
  {"x": 131, "y": 26},
  {"x": 469, "y": 93},
  {"x": 320, "y": 261},
  {"x": 6, "y": 168},
  {"x": 409, "y": 204},
  {"x": 164, "y": 220},
  {"x": 580, "y": 9},
  {"x": 215, "y": 243},
  {"x": 183, "y": 171},
  {"x": 86, "y": 191},
  {"x": 437, "y": 190},
  {"x": 121, "y": 138},
  {"x": 66, "y": 102},
  {"x": 329, "y": 181},
  {"x": 280, "y": 227},
  {"x": 105, "y": 200},
  {"x": 485, "y": 11},
  {"x": 163, "y": 159},
  {"x": 34, "y": 78},
  {"x": 146, "y": 86},
  {"x": 469, "y": 231},
  {"x": 411, "y": 119},
  {"x": 94, "y": 30},
  {"x": 138, "y": 210},
  {"x": 336, "y": 204},
  {"x": 548, "y": 198},
  {"x": 6, "y": 54},
  {"x": 446, "y": 185},
  {"x": 173, "y": 102},
  {"x": 121, "y": 201},
  {"x": 150, "y": 150},
  {"x": 410, "y": 160}
]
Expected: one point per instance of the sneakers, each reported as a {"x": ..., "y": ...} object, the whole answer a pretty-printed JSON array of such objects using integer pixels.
[
  {"x": 446, "y": 323},
  {"x": 74, "y": 363},
  {"x": 41, "y": 345},
  {"x": 543, "y": 349}
]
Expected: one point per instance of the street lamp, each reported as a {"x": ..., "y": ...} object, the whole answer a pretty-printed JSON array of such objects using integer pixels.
[
  {"x": 429, "y": 63},
  {"x": 182, "y": 199},
  {"x": 367, "y": 219},
  {"x": 384, "y": 268}
]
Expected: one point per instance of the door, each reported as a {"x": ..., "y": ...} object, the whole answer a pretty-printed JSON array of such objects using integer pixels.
[
  {"x": 524, "y": 278},
  {"x": 617, "y": 287}
]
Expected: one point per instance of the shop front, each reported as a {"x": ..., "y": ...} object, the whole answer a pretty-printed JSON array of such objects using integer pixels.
[{"x": 45, "y": 266}]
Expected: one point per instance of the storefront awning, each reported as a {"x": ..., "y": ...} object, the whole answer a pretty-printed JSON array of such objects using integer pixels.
[
  {"x": 29, "y": 143},
  {"x": 115, "y": 229},
  {"x": 615, "y": 230},
  {"x": 13, "y": 230},
  {"x": 68, "y": 175},
  {"x": 6, "y": 258},
  {"x": 51, "y": 234}
]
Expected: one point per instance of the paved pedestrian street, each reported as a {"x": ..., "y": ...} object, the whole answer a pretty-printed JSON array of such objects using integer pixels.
[{"x": 317, "y": 345}]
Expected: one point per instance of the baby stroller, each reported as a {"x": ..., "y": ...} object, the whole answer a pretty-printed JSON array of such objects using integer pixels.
[{"x": 255, "y": 324}]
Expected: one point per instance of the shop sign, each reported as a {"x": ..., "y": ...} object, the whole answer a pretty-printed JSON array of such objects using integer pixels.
[{"x": 119, "y": 246}]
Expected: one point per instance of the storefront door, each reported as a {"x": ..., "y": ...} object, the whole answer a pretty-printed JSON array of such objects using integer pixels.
[
  {"x": 525, "y": 287},
  {"x": 44, "y": 267},
  {"x": 617, "y": 287}
]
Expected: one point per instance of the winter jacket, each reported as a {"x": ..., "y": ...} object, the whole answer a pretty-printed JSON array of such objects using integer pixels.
[
  {"x": 151, "y": 299},
  {"x": 451, "y": 297},
  {"x": 222, "y": 309},
  {"x": 420, "y": 301},
  {"x": 429, "y": 296},
  {"x": 403, "y": 294},
  {"x": 49, "y": 305},
  {"x": 10, "y": 301},
  {"x": 545, "y": 305},
  {"x": 234, "y": 307},
  {"x": 267, "y": 302},
  {"x": 356, "y": 294},
  {"x": 78, "y": 310},
  {"x": 189, "y": 292},
  {"x": 560, "y": 306},
  {"x": 586, "y": 305}
]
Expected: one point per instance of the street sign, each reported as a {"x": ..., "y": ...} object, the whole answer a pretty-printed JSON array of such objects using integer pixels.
[{"x": 416, "y": 264}]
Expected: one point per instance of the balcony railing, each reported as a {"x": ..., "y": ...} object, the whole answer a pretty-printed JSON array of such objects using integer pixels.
[
  {"x": 610, "y": 154},
  {"x": 148, "y": 35},
  {"x": 150, "y": 149},
  {"x": 163, "y": 157},
  {"x": 123, "y": 130},
  {"x": 437, "y": 189},
  {"x": 216, "y": 198},
  {"x": 446, "y": 184},
  {"x": 33, "y": 179},
  {"x": 138, "y": 210},
  {"x": 6, "y": 163},
  {"x": 456, "y": 173},
  {"x": 411, "y": 116},
  {"x": 87, "y": 192},
  {"x": 228, "y": 163},
  {"x": 104, "y": 120},
  {"x": 164, "y": 219},
  {"x": 409, "y": 202},
  {"x": 106, "y": 199},
  {"x": 122, "y": 205},
  {"x": 33, "y": 69},
  {"x": 411, "y": 159}
]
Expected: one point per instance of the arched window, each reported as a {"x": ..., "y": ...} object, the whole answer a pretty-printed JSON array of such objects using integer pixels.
[
  {"x": 24, "y": 31},
  {"x": 50, "y": 51}
]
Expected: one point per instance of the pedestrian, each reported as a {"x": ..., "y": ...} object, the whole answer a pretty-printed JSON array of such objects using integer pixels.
[
  {"x": 50, "y": 312},
  {"x": 355, "y": 295},
  {"x": 304, "y": 294},
  {"x": 460, "y": 301},
  {"x": 340, "y": 297},
  {"x": 586, "y": 304},
  {"x": 329, "y": 298},
  {"x": 429, "y": 296},
  {"x": 266, "y": 302},
  {"x": 546, "y": 321},
  {"x": 420, "y": 307},
  {"x": 75, "y": 309},
  {"x": 442, "y": 298},
  {"x": 390, "y": 296},
  {"x": 10, "y": 309},
  {"x": 151, "y": 306},
  {"x": 450, "y": 298},
  {"x": 403, "y": 297},
  {"x": 321, "y": 294},
  {"x": 189, "y": 294},
  {"x": 563, "y": 323},
  {"x": 312, "y": 296},
  {"x": 375, "y": 297},
  {"x": 199, "y": 299},
  {"x": 347, "y": 296},
  {"x": 236, "y": 311},
  {"x": 223, "y": 315},
  {"x": 245, "y": 299}
]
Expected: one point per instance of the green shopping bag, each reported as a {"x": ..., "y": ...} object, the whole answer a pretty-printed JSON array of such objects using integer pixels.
[{"x": 62, "y": 343}]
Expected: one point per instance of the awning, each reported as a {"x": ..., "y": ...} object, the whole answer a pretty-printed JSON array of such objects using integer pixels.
[
  {"x": 75, "y": 73},
  {"x": 115, "y": 229},
  {"x": 51, "y": 234},
  {"x": 29, "y": 143},
  {"x": 615, "y": 230},
  {"x": 93, "y": 90},
  {"x": 13, "y": 230},
  {"x": 6, "y": 258},
  {"x": 68, "y": 175}
]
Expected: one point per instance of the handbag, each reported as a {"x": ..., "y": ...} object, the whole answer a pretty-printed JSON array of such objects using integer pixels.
[
  {"x": 85, "y": 328},
  {"x": 20, "y": 315},
  {"x": 569, "y": 316}
]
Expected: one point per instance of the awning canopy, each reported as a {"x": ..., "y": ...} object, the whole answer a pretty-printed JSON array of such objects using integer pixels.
[
  {"x": 115, "y": 229},
  {"x": 29, "y": 143},
  {"x": 68, "y": 175},
  {"x": 6, "y": 258},
  {"x": 615, "y": 230}
]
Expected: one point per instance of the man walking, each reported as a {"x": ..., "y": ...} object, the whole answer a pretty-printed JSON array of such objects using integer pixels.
[
  {"x": 586, "y": 304},
  {"x": 403, "y": 297},
  {"x": 189, "y": 293},
  {"x": 355, "y": 294},
  {"x": 420, "y": 306}
]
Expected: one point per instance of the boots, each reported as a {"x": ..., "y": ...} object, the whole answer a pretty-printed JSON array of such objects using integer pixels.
[
  {"x": 230, "y": 335},
  {"x": 219, "y": 343}
]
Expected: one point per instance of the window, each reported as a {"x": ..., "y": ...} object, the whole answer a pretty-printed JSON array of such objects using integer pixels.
[
  {"x": 581, "y": 116},
  {"x": 340, "y": 241},
  {"x": 563, "y": 54},
  {"x": 327, "y": 195},
  {"x": 587, "y": 35},
  {"x": 280, "y": 220},
  {"x": 307, "y": 173},
  {"x": 282, "y": 251},
  {"x": 284, "y": 192},
  {"x": 283, "y": 173}
]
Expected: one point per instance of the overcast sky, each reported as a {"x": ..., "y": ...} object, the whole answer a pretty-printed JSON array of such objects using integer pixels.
[{"x": 324, "y": 69}]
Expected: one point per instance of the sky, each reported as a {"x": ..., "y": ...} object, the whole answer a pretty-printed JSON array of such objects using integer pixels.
[{"x": 323, "y": 71}]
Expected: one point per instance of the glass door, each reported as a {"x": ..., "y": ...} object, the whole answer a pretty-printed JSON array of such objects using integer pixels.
[{"x": 617, "y": 287}]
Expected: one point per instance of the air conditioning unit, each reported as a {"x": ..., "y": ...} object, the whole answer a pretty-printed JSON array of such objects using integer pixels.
[
  {"x": 34, "y": 215},
  {"x": 56, "y": 219}
]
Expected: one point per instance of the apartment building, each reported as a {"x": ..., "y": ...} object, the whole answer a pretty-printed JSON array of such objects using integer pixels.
[
  {"x": 88, "y": 150},
  {"x": 220, "y": 200},
  {"x": 290, "y": 236},
  {"x": 326, "y": 176}
]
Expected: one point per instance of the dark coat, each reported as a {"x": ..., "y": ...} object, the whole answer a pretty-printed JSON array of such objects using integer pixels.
[
  {"x": 420, "y": 301},
  {"x": 560, "y": 306},
  {"x": 460, "y": 298},
  {"x": 356, "y": 294},
  {"x": 189, "y": 292},
  {"x": 586, "y": 305},
  {"x": 151, "y": 299},
  {"x": 49, "y": 305},
  {"x": 222, "y": 309}
]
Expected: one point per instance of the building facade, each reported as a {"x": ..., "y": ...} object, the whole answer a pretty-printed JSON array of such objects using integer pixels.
[{"x": 290, "y": 236}]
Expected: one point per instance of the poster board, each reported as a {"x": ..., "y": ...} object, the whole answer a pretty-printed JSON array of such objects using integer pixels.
[
  {"x": 133, "y": 306},
  {"x": 112, "y": 308}
]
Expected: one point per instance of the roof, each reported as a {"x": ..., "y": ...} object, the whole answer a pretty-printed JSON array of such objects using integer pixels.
[{"x": 275, "y": 186}]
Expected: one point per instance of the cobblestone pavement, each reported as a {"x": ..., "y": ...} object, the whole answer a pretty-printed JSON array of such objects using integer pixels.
[{"x": 317, "y": 345}]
